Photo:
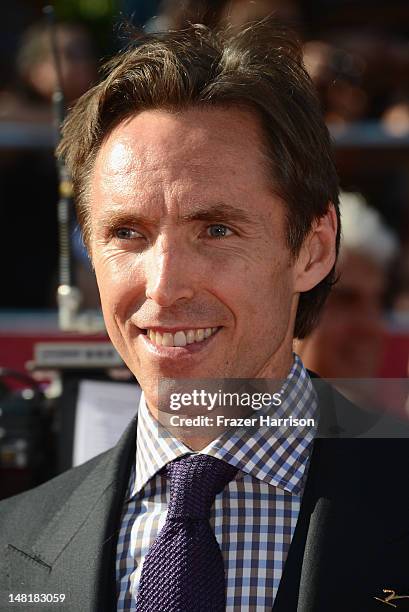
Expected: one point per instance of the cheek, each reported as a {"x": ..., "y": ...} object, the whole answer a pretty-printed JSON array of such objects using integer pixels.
[
  {"x": 120, "y": 285},
  {"x": 261, "y": 297}
]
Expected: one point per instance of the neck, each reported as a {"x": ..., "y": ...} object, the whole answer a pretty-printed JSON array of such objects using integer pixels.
[{"x": 198, "y": 425}]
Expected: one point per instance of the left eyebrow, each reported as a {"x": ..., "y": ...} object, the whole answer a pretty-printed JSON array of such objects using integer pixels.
[{"x": 218, "y": 212}]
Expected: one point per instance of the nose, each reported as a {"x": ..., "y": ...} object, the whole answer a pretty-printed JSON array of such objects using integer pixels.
[{"x": 169, "y": 272}]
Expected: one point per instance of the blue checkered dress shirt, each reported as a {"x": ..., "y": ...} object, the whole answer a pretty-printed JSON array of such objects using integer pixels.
[{"x": 253, "y": 518}]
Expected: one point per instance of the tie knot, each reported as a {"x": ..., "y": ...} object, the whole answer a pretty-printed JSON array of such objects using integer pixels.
[{"x": 195, "y": 481}]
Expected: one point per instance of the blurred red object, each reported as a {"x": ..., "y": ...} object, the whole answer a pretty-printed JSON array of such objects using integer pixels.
[{"x": 395, "y": 356}]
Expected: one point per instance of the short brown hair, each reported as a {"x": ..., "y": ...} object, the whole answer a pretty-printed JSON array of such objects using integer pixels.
[{"x": 259, "y": 67}]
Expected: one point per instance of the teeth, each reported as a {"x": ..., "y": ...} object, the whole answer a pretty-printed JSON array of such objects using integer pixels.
[
  {"x": 180, "y": 338},
  {"x": 167, "y": 339},
  {"x": 199, "y": 335}
]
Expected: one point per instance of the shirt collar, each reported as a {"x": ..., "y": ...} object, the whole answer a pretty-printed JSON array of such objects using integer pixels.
[
  {"x": 279, "y": 461},
  {"x": 155, "y": 447}
]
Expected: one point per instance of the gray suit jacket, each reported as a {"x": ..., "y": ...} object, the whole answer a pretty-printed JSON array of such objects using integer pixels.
[{"x": 351, "y": 539}]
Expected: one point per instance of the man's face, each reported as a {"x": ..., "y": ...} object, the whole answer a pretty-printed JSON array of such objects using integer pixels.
[{"x": 186, "y": 235}]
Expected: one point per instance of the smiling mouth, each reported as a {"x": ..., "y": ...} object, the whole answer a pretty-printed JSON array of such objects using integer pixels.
[{"x": 180, "y": 337}]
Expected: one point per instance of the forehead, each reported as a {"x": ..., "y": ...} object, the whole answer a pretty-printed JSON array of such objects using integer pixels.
[{"x": 217, "y": 147}]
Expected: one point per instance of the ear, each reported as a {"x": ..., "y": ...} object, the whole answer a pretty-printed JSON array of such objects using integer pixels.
[{"x": 317, "y": 255}]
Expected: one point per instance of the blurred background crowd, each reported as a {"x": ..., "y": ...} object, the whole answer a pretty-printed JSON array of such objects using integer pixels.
[{"x": 357, "y": 53}]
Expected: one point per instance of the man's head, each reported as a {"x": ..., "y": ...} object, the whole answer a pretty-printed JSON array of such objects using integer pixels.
[{"x": 204, "y": 182}]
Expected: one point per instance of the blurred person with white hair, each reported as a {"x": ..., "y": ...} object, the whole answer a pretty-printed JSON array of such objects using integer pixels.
[{"x": 349, "y": 340}]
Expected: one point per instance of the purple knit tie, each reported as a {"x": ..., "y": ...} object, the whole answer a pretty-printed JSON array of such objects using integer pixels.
[{"x": 183, "y": 570}]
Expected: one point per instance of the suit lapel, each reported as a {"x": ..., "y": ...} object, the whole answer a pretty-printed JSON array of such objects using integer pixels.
[
  {"x": 298, "y": 584},
  {"x": 80, "y": 538}
]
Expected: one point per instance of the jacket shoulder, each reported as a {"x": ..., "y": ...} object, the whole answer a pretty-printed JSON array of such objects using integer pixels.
[{"x": 31, "y": 510}]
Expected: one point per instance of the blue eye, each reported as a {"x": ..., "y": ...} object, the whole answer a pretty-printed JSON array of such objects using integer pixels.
[
  {"x": 126, "y": 233},
  {"x": 218, "y": 230}
]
